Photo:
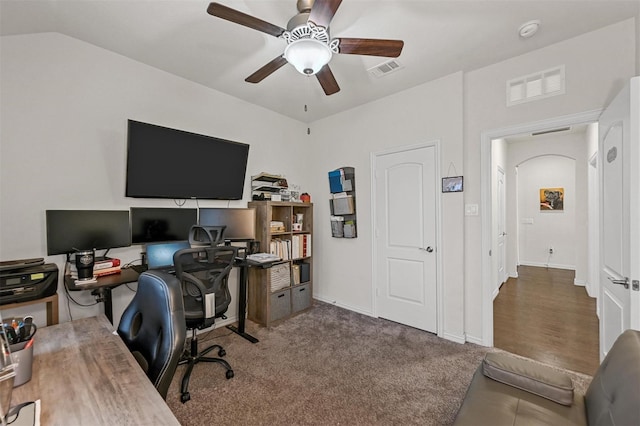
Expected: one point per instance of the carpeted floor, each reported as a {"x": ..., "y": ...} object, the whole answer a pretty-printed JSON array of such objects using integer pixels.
[{"x": 330, "y": 366}]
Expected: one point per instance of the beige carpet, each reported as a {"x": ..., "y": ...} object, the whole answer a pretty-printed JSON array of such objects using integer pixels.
[{"x": 330, "y": 366}]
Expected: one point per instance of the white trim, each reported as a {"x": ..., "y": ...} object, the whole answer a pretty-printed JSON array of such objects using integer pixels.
[
  {"x": 485, "y": 195},
  {"x": 580, "y": 283},
  {"x": 549, "y": 265},
  {"x": 439, "y": 284},
  {"x": 475, "y": 340},
  {"x": 454, "y": 338}
]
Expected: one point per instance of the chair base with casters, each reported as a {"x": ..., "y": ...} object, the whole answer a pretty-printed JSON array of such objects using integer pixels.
[{"x": 194, "y": 357}]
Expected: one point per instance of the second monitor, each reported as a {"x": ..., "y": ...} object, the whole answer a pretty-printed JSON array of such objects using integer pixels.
[{"x": 240, "y": 222}]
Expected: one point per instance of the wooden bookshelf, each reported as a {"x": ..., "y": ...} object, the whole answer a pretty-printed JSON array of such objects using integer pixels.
[{"x": 276, "y": 293}]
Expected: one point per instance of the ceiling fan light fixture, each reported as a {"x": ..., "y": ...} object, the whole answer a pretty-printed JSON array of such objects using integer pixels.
[{"x": 308, "y": 55}]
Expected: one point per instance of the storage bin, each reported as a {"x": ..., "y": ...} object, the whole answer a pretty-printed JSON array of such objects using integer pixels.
[
  {"x": 280, "y": 276},
  {"x": 300, "y": 297},
  {"x": 280, "y": 305}
]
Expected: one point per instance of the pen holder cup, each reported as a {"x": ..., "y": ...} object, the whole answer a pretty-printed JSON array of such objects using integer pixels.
[{"x": 22, "y": 355}]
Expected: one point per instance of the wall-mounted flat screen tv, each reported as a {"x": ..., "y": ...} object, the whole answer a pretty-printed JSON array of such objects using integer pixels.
[
  {"x": 240, "y": 222},
  {"x": 150, "y": 224},
  {"x": 171, "y": 163},
  {"x": 71, "y": 230}
]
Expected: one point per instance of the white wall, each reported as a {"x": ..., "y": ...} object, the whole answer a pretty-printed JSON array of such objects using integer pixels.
[
  {"x": 64, "y": 109},
  {"x": 541, "y": 230},
  {"x": 597, "y": 65},
  {"x": 343, "y": 267}
]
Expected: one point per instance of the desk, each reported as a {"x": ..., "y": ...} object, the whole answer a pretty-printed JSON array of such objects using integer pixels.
[
  {"x": 83, "y": 374},
  {"x": 102, "y": 287},
  {"x": 52, "y": 307}
]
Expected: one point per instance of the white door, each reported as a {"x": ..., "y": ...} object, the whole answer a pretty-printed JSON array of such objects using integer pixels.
[
  {"x": 501, "y": 233},
  {"x": 405, "y": 228},
  {"x": 620, "y": 215}
]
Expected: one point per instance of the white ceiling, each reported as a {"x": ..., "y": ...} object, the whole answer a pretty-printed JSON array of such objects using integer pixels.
[{"x": 440, "y": 37}]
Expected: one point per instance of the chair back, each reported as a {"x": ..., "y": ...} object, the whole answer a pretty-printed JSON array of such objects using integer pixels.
[
  {"x": 153, "y": 327},
  {"x": 204, "y": 274}
]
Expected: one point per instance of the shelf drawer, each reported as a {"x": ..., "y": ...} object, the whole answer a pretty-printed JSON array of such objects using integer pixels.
[
  {"x": 280, "y": 305},
  {"x": 301, "y": 297}
]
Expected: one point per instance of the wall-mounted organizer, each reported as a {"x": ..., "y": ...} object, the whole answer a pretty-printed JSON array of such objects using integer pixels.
[{"x": 342, "y": 185}]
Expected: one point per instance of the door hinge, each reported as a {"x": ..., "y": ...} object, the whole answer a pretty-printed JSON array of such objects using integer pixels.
[{"x": 635, "y": 285}]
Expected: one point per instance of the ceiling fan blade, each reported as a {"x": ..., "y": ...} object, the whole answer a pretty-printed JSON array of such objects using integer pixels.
[
  {"x": 224, "y": 12},
  {"x": 327, "y": 81},
  {"x": 266, "y": 70},
  {"x": 322, "y": 11},
  {"x": 369, "y": 46}
]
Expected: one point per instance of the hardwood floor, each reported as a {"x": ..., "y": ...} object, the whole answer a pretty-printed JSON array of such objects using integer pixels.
[{"x": 542, "y": 315}]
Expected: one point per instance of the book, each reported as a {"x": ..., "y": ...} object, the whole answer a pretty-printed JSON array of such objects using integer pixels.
[
  {"x": 107, "y": 271},
  {"x": 99, "y": 264}
]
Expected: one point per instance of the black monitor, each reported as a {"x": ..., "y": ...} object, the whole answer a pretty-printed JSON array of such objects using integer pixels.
[
  {"x": 154, "y": 224},
  {"x": 72, "y": 230},
  {"x": 170, "y": 163},
  {"x": 240, "y": 222}
]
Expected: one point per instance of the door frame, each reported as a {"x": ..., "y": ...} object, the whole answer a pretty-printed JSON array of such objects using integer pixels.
[
  {"x": 374, "y": 252},
  {"x": 486, "y": 199}
]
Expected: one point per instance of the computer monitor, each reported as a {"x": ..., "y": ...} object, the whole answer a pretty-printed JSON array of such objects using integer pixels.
[
  {"x": 69, "y": 231},
  {"x": 240, "y": 222},
  {"x": 160, "y": 255},
  {"x": 154, "y": 224}
]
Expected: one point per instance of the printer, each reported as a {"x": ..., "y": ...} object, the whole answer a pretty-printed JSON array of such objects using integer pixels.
[{"x": 25, "y": 282}]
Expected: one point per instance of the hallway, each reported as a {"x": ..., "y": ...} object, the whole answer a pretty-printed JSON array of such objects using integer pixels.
[{"x": 542, "y": 315}]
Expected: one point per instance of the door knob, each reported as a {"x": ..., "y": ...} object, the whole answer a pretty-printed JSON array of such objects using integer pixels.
[
  {"x": 428, "y": 249},
  {"x": 624, "y": 282}
]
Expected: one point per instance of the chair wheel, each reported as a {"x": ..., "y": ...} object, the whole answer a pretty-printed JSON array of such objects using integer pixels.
[
  {"x": 230, "y": 374},
  {"x": 222, "y": 352},
  {"x": 185, "y": 397}
]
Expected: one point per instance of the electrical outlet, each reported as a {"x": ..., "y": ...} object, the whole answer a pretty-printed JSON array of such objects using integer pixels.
[{"x": 550, "y": 250}]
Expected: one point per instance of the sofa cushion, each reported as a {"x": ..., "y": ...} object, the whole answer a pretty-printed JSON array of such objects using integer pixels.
[
  {"x": 492, "y": 403},
  {"x": 529, "y": 376}
]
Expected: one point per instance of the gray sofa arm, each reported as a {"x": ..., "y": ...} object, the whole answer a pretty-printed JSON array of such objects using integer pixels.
[{"x": 529, "y": 376}]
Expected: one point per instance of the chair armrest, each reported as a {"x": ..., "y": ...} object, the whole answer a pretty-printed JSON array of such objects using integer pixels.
[{"x": 529, "y": 376}]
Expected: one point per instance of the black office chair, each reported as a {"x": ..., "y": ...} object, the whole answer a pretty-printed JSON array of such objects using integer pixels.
[
  {"x": 204, "y": 274},
  {"x": 153, "y": 327}
]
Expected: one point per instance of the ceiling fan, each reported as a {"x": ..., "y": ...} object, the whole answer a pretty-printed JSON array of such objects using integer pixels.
[{"x": 309, "y": 45}]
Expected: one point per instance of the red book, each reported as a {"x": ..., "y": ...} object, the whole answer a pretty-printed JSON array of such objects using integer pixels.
[{"x": 107, "y": 271}]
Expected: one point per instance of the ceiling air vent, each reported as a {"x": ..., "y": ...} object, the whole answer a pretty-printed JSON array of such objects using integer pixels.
[
  {"x": 385, "y": 68},
  {"x": 536, "y": 86}
]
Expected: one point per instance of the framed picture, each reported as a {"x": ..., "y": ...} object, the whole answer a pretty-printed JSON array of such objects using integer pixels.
[
  {"x": 551, "y": 199},
  {"x": 452, "y": 184}
]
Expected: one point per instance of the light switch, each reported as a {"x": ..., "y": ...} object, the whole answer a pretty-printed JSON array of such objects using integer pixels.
[{"x": 471, "y": 210}]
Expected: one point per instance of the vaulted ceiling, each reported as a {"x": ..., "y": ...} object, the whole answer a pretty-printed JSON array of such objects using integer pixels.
[{"x": 440, "y": 37}]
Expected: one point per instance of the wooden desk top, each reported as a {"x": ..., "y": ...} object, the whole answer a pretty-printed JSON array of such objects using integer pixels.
[{"x": 83, "y": 374}]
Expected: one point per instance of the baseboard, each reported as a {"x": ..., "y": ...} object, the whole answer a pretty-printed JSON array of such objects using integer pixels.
[
  {"x": 495, "y": 292},
  {"x": 549, "y": 265},
  {"x": 581, "y": 283},
  {"x": 454, "y": 337},
  {"x": 475, "y": 340}
]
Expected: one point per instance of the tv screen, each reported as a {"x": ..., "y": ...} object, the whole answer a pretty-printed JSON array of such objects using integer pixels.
[
  {"x": 240, "y": 223},
  {"x": 161, "y": 224},
  {"x": 171, "y": 163},
  {"x": 72, "y": 230}
]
